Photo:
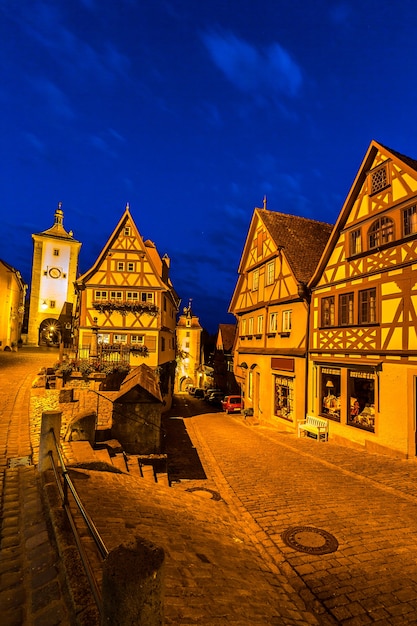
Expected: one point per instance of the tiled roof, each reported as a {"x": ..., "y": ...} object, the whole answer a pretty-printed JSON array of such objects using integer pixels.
[
  {"x": 227, "y": 332},
  {"x": 408, "y": 160},
  {"x": 303, "y": 240}
]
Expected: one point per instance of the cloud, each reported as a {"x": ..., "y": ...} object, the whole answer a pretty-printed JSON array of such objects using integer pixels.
[
  {"x": 54, "y": 98},
  {"x": 268, "y": 70}
]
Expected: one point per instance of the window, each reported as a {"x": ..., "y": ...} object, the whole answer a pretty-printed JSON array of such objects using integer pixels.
[
  {"x": 381, "y": 231},
  {"x": 367, "y": 306},
  {"x": 52, "y": 304},
  {"x": 120, "y": 266},
  {"x": 410, "y": 220},
  {"x": 103, "y": 338},
  {"x": 187, "y": 333},
  {"x": 126, "y": 231},
  {"x": 115, "y": 295},
  {"x": 138, "y": 340},
  {"x": 187, "y": 344},
  {"x": 330, "y": 393},
  {"x": 255, "y": 280},
  {"x": 163, "y": 344},
  {"x": 132, "y": 295},
  {"x": 260, "y": 325},
  {"x": 146, "y": 296},
  {"x": 327, "y": 311},
  {"x": 286, "y": 321},
  {"x": 56, "y": 252},
  {"x": 273, "y": 322},
  {"x": 345, "y": 309},
  {"x": 284, "y": 397},
  {"x": 270, "y": 273},
  {"x": 130, "y": 266},
  {"x": 100, "y": 295},
  {"x": 243, "y": 322},
  {"x": 250, "y": 326},
  {"x": 379, "y": 179},
  {"x": 355, "y": 242},
  {"x": 250, "y": 384},
  {"x": 361, "y": 397},
  {"x": 119, "y": 338}
]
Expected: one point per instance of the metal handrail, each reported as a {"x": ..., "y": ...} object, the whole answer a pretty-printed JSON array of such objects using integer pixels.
[{"x": 63, "y": 491}]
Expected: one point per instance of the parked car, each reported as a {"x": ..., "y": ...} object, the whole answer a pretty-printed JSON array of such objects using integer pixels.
[
  {"x": 215, "y": 398},
  {"x": 208, "y": 392},
  {"x": 198, "y": 393},
  {"x": 232, "y": 404}
]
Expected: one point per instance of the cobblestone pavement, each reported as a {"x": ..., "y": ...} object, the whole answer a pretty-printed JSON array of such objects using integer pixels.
[
  {"x": 367, "y": 502},
  {"x": 32, "y": 583}
]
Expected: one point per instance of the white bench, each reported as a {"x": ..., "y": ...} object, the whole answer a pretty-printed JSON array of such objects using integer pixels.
[{"x": 315, "y": 425}]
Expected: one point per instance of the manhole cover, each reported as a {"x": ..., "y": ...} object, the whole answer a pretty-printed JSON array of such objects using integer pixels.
[
  {"x": 19, "y": 461},
  {"x": 208, "y": 493},
  {"x": 309, "y": 539}
]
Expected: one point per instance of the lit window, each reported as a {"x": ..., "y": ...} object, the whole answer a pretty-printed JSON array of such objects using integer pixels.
[
  {"x": 379, "y": 179},
  {"x": 327, "y": 311},
  {"x": 273, "y": 322},
  {"x": 103, "y": 338},
  {"x": 367, "y": 306},
  {"x": 410, "y": 220},
  {"x": 120, "y": 266},
  {"x": 346, "y": 309},
  {"x": 119, "y": 338},
  {"x": 286, "y": 321},
  {"x": 284, "y": 397},
  {"x": 355, "y": 242},
  {"x": 260, "y": 325},
  {"x": 115, "y": 295},
  {"x": 381, "y": 232},
  {"x": 270, "y": 273},
  {"x": 250, "y": 384},
  {"x": 243, "y": 327},
  {"x": 255, "y": 280}
]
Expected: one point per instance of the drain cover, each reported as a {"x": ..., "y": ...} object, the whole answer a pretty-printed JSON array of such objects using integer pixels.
[
  {"x": 19, "y": 461},
  {"x": 309, "y": 539},
  {"x": 209, "y": 493}
]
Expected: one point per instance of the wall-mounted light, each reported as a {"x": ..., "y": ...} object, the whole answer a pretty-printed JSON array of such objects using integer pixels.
[{"x": 44, "y": 304}]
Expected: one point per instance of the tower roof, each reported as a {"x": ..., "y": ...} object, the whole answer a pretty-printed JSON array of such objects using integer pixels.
[{"x": 58, "y": 230}]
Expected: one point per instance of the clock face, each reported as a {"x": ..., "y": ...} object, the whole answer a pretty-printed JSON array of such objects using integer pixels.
[{"x": 54, "y": 272}]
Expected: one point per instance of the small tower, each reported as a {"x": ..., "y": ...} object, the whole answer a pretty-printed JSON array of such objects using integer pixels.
[
  {"x": 52, "y": 294},
  {"x": 188, "y": 333}
]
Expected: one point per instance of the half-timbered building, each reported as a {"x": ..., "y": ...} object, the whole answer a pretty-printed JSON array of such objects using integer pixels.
[
  {"x": 127, "y": 306},
  {"x": 271, "y": 305},
  {"x": 363, "y": 326}
]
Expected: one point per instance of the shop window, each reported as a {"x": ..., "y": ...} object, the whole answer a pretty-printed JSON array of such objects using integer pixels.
[
  {"x": 330, "y": 393},
  {"x": 327, "y": 311},
  {"x": 367, "y": 306},
  {"x": 410, "y": 220},
  {"x": 346, "y": 309},
  {"x": 284, "y": 397},
  {"x": 361, "y": 394}
]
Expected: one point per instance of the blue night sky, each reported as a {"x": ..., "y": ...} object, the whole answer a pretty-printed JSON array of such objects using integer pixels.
[{"x": 192, "y": 111}]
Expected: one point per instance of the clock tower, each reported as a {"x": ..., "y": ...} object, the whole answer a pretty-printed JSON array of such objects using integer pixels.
[{"x": 54, "y": 271}]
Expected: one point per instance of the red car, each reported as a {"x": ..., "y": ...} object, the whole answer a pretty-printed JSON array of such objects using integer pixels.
[{"x": 232, "y": 404}]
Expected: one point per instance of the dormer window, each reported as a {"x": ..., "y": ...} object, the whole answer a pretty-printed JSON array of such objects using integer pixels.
[
  {"x": 381, "y": 232},
  {"x": 379, "y": 179}
]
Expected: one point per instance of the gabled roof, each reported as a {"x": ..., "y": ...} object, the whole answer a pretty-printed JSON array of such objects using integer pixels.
[
  {"x": 301, "y": 239},
  {"x": 366, "y": 165},
  {"x": 140, "y": 378},
  {"x": 227, "y": 333}
]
